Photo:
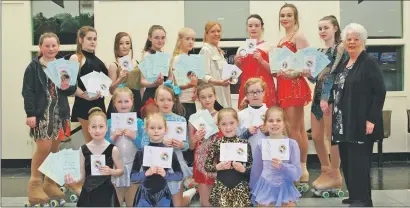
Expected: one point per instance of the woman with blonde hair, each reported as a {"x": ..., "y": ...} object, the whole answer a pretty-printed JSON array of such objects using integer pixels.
[{"x": 215, "y": 61}]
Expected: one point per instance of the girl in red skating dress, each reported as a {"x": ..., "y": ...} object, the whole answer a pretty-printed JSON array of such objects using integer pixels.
[
  {"x": 256, "y": 64},
  {"x": 293, "y": 90}
]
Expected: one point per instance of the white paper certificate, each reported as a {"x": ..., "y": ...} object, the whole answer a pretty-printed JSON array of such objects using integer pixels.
[
  {"x": 250, "y": 45},
  {"x": 157, "y": 156},
  {"x": 176, "y": 130},
  {"x": 275, "y": 148},
  {"x": 234, "y": 152},
  {"x": 96, "y": 162},
  {"x": 126, "y": 63},
  {"x": 123, "y": 121}
]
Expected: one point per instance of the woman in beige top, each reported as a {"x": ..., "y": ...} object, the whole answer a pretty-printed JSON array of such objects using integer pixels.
[{"x": 214, "y": 64}]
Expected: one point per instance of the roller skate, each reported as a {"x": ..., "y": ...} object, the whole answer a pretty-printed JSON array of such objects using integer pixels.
[
  {"x": 72, "y": 190},
  {"x": 53, "y": 192},
  {"x": 190, "y": 183},
  {"x": 303, "y": 184},
  {"x": 330, "y": 185},
  {"x": 323, "y": 172},
  {"x": 36, "y": 195}
]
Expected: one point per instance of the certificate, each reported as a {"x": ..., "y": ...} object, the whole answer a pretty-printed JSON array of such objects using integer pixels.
[
  {"x": 275, "y": 148},
  {"x": 124, "y": 121},
  {"x": 250, "y": 46},
  {"x": 209, "y": 127},
  {"x": 233, "y": 152},
  {"x": 231, "y": 72},
  {"x": 96, "y": 162},
  {"x": 176, "y": 130},
  {"x": 126, "y": 63},
  {"x": 62, "y": 69},
  {"x": 157, "y": 156}
]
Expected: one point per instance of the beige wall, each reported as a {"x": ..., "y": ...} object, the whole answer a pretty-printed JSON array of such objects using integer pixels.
[{"x": 136, "y": 17}]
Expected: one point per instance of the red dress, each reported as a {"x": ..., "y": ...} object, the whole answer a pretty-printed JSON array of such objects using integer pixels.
[
  {"x": 251, "y": 68},
  {"x": 292, "y": 91}
]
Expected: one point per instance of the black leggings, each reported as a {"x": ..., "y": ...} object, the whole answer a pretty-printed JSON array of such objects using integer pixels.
[{"x": 190, "y": 108}]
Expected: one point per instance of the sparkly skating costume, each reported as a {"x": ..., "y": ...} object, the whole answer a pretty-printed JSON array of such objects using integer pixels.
[
  {"x": 292, "y": 92},
  {"x": 97, "y": 191},
  {"x": 272, "y": 186},
  {"x": 251, "y": 68},
  {"x": 174, "y": 186},
  {"x": 324, "y": 81},
  {"x": 231, "y": 187},
  {"x": 128, "y": 148},
  {"x": 200, "y": 155},
  {"x": 153, "y": 190}
]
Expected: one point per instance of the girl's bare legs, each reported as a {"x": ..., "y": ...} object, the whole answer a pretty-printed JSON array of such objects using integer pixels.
[
  {"x": 130, "y": 195},
  {"x": 178, "y": 197},
  {"x": 204, "y": 192},
  {"x": 294, "y": 116},
  {"x": 120, "y": 194},
  {"x": 334, "y": 178},
  {"x": 318, "y": 128},
  {"x": 36, "y": 194},
  {"x": 84, "y": 126},
  {"x": 305, "y": 147}
]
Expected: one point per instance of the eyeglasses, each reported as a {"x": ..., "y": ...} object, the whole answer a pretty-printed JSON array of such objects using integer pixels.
[{"x": 256, "y": 93}]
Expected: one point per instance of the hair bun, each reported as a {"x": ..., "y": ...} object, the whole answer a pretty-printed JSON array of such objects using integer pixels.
[{"x": 94, "y": 109}]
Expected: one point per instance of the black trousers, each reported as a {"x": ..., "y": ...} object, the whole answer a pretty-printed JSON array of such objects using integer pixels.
[{"x": 356, "y": 164}]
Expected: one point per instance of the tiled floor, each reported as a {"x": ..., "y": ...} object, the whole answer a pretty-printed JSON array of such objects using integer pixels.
[{"x": 390, "y": 184}]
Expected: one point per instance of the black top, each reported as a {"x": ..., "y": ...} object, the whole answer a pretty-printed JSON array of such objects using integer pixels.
[
  {"x": 34, "y": 92},
  {"x": 230, "y": 178},
  {"x": 82, "y": 106},
  {"x": 91, "y": 182},
  {"x": 362, "y": 100},
  {"x": 154, "y": 183}
]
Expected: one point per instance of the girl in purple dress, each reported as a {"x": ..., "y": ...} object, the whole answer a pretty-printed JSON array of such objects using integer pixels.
[{"x": 272, "y": 180}]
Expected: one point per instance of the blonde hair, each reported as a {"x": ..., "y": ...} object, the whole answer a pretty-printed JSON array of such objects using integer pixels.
[
  {"x": 177, "y": 50},
  {"x": 246, "y": 86},
  {"x": 177, "y": 108},
  {"x": 122, "y": 90},
  {"x": 280, "y": 110},
  {"x": 96, "y": 111},
  {"x": 82, "y": 32},
  {"x": 227, "y": 112},
  {"x": 208, "y": 26},
  {"x": 44, "y": 36},
  {"x": 152, "y": 116}
]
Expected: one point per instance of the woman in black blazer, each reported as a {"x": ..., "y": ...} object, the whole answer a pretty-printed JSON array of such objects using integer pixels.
[{"x": 359, "y": 92}]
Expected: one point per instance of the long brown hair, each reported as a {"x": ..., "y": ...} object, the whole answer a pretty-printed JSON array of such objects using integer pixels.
[
  {"x": 208, "y": 26},
  {"x": 117, "y": 44},
  {"x": 295, "y": 14},
  {"x": 82, "y": 32},
  {"x": 44, "y": 36},
  {"x": 335, "y": 23},
  {"x": 148, "y": 43}
]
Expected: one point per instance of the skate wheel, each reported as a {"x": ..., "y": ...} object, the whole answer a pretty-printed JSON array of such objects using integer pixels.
[
  {"x": 299, "y": 188},
  {"x": 63, "y": 189},
  {"x": 54, "y": 203},
  {"x": 325, "y": 195},
  {"x": 73, "y": 198},
  {"x": 340, "y": 194},
  {"x": 305, "y": 187}
]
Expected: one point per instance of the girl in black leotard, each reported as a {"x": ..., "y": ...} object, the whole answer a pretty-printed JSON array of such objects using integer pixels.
[
  {"x": 155, "y": 42},
  {"x": 85, "y": 54}
]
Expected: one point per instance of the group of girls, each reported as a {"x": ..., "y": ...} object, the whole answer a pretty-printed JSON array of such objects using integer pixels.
[{"x": 219, "y": 183}]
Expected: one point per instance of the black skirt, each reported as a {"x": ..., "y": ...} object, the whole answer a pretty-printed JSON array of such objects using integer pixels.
[{"x": 82, "y": 106}]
